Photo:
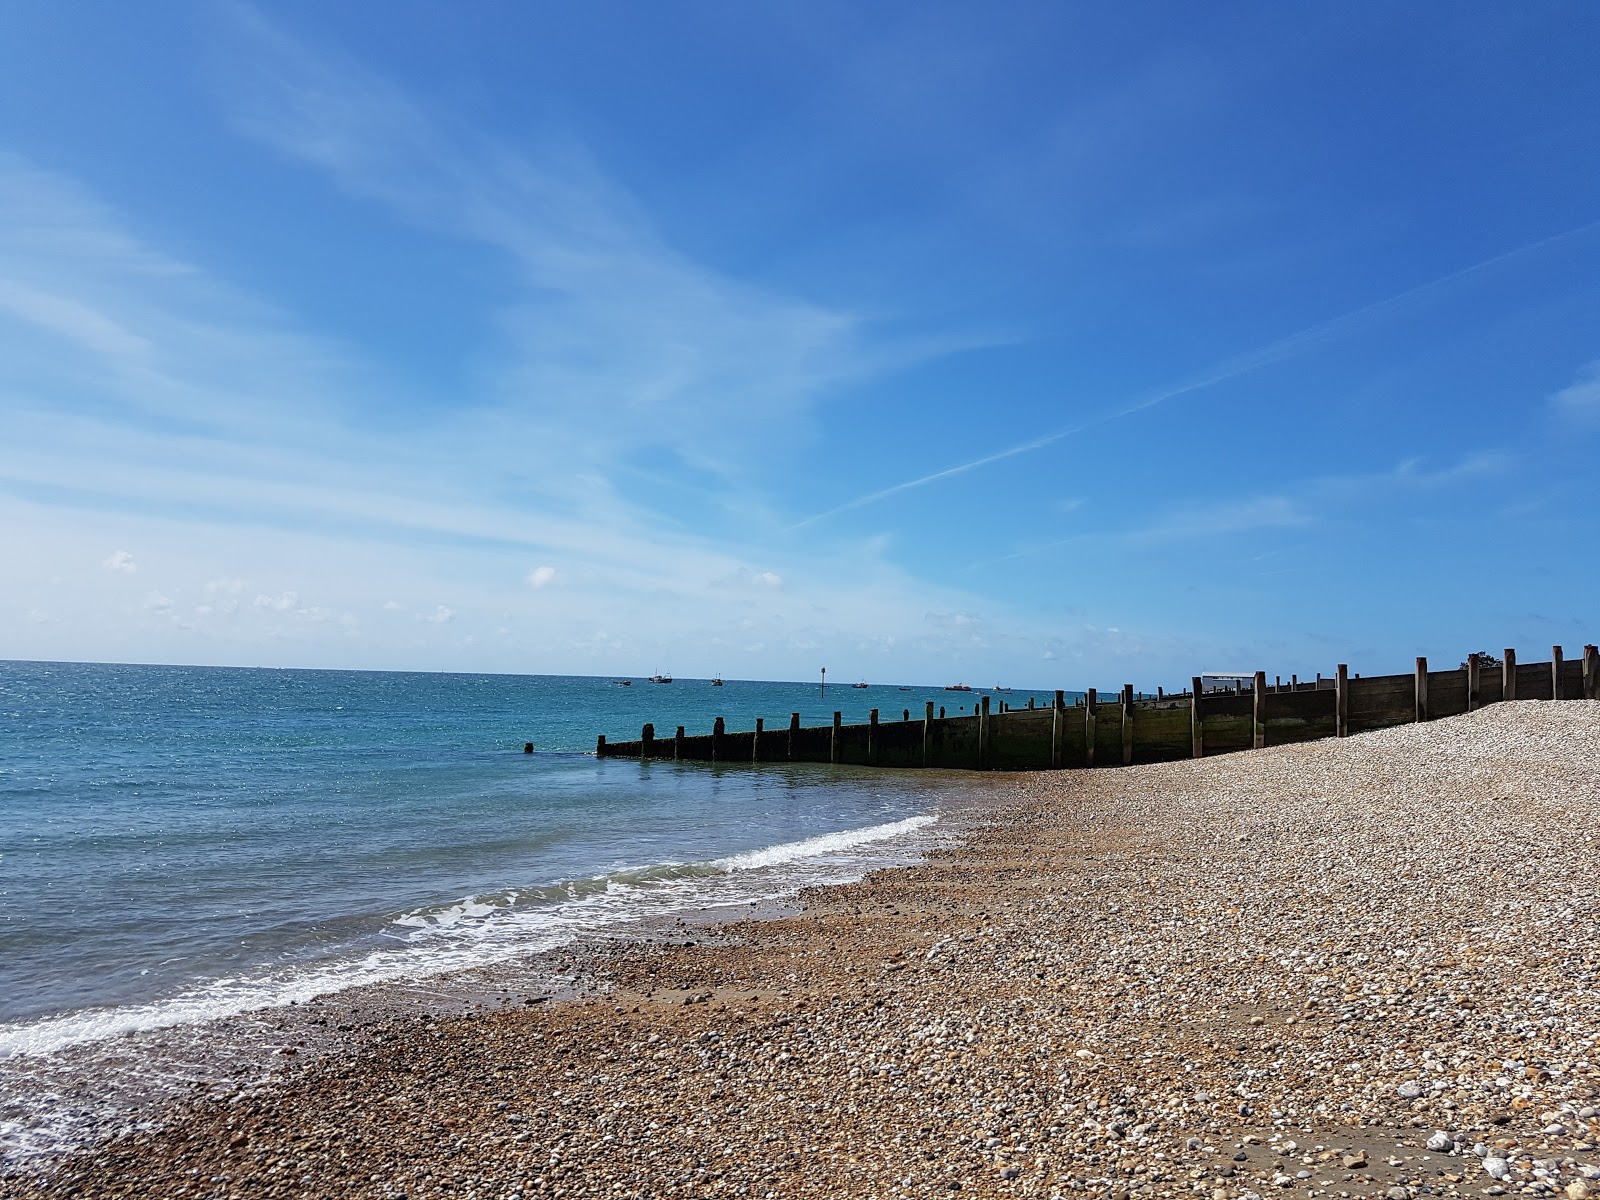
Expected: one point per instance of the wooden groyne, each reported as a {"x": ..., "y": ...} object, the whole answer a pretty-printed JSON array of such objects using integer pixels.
[{"x": 1137, "y": 729}]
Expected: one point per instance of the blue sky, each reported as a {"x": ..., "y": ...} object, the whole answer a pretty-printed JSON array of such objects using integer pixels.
[{"x": 1055, "y": 344}]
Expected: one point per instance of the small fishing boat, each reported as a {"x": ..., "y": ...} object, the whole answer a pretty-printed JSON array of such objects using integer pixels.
[
  {"x": 623, "y": 682},
  {"x": 998, "y": 688},
  {"x": 858, "y": 685},
  {"x": 717, "y": 682},
  {"x": 661, "y": 679},
  {"x": 957, "y": 687}
]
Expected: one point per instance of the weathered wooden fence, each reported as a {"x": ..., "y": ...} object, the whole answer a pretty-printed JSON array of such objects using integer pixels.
[{"x": 1126, "y": 730}]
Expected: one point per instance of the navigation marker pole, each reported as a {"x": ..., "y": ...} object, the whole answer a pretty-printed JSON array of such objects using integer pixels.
[{"x": 824, "y": 683}]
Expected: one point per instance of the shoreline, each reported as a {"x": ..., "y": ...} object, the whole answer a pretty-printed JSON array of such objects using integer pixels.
[
  {"x": 143, "y": 1079},
  {"x": 1288, "y": 970}
]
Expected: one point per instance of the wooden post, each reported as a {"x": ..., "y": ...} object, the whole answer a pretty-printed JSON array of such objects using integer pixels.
[
  {"x": 872, "y": 738},
  {"x": 647, "y": 739},
  {"x": 833, "y": 746},
  {"x": 905, "y": 714},
  {"x": 1556, "y": 663},
  {"x": 1591, "y": 673},
  {"x": 1422, "y": 688},
  {"x": 1127, "y": 724},
  {"x": 1508, "y": 675},
  {"x": 941, "y": 712},
  {"x": 1259, "y": 709},
  {"x": 600, "y": 746},
  {"x": 1088, "y": 726},
  {"x": 1030, "y": 703},
  {"x": 1196, "y": 725},
  {"x": 1056, "y": 713},
  {"x": 1341, "y": 702},
  {"x": 1294, "y": 683},
  {"x": 983, "y": 733},
  {"x": 794, "y": 733},
  {"x": 927, "y": 735},
  {"x": 677, "y": 745},
  {"x": 755, "y": 742},
  {"x": 1160, "y": 693},
  {"x": 1474, "y": 668},
  {"x": 718, "y": 728}
]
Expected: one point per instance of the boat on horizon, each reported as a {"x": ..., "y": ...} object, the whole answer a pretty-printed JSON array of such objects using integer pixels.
[
  {"x": 623, "y": 682},
  {"x": 717, "y": 682},
  {"x": 859, "y": 685},
  {"x": 957, "y": 687},
  {"x": 661, "y": 679}
]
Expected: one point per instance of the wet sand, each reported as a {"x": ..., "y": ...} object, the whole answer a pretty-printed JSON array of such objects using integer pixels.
[{"x": 1357, "y": 968}]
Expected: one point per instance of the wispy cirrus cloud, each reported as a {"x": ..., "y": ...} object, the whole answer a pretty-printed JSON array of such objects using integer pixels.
[
  {"x": 613, "y": 328},
  {"x": 1283, "y": 349},
  {"x": 1308, "y": 503}
]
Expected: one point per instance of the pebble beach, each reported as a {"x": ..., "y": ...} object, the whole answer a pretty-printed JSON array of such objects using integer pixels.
[{"x": 1358, "y": 968}]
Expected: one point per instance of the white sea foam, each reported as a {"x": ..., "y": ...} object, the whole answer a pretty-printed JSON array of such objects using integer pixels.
[
  {"x": 479, "y": 932},
  {"x": 823, "y": 844}
]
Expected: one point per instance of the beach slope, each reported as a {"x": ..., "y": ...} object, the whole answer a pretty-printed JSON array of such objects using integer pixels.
[{"x": 1366, "y": 967}]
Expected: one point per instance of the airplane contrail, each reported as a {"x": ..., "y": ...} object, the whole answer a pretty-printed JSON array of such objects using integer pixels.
[{"x": 1233, "y": 368}]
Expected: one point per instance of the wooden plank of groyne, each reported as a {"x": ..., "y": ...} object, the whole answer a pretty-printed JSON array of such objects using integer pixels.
[
  {"x": 755, "y": 742},
  {"x": 1591, "y": 673},
  {"x": 1056, "y": 714},
  {"x": 872, "y": 739},
  {"x": 794, "y": 735},
  {"x": 1258, "y": 697},
  {"x": 927, "y": 734},
  {"x": 833, "y": 745},
  {"x": 1572, "y": 679},
  {"x": 1020, "y": 740},
  {"x": 1489, "y": 685},
  {"x": 1420, "y": 688},
  {"x": 1163, "y": 734},
  {"x": 1377, "y": 701},
  {"x": 1341, "y": 701},
  {"x": 1229, "y": 723},
  {"x": 647, "y": 739},
  {"x": 983, "y": 733},
  {"x": 1197, "y": 727},
  {"x": 1533, "y": 681},
  {"x": 719, "y": 729},
  {"x": 1508, "y": 675},
  {"x": 1127, "y": 724},
  {"x": 1300, "y": 716},
  {"x": 1108, "y": 733},
  {"x": 1474, "y": 684},
  {"x": 1557, "y": 689},
  {"x": 1447, "y": 693},
  {"x": 677, "y": 744},
  {"x": 1089, "y": 704}
]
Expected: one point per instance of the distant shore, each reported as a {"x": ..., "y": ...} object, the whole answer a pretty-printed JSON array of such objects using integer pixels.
[{"x": 1363, "y": 967}]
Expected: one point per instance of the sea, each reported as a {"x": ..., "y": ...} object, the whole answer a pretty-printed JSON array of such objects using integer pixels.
[{"x": 187, "y": 851}]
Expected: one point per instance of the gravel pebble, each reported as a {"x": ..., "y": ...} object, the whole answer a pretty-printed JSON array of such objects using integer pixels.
[{"x": 1270, "y": 971}]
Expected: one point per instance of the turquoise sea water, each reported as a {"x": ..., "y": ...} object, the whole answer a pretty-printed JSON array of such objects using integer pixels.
[{"x": 179, "y": 844}]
